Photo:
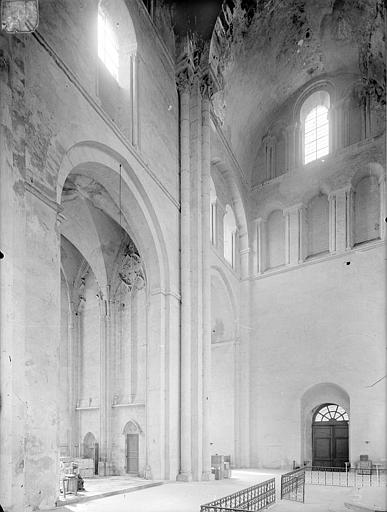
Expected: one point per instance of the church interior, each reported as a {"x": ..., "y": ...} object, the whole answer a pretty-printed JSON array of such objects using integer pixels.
[{"x": 192, "y": 231}]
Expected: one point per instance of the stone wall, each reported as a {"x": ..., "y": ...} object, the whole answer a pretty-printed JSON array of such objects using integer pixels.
[{"x": 51, "y": 109}]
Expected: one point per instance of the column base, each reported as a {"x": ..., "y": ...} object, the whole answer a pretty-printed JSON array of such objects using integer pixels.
[
  {"x": 148, "y": 473},
  {"x": 184, "y": 477},
  {"x": 207, "y": 476},
  {"x": 105, "y": 468}
]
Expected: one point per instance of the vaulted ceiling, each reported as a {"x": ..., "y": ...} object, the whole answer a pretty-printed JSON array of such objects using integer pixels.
[{"x": 269, "y": 49}]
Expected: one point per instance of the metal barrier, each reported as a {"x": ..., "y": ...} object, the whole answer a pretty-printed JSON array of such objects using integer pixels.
[
  {"x": 349, "y": 477},
  {"x": 252, "y": 499},
  {"x": 293, "y": 485}
]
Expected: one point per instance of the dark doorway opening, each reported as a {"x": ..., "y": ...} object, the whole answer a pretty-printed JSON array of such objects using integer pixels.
[{"x": 91, "y": 450}]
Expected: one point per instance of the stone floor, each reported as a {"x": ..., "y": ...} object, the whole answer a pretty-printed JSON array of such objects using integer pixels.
[
  {"x": 96, "y": 488},
  {"x": 187, "y": 497}
]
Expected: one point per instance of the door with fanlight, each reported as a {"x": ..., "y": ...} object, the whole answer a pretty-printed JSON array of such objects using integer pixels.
[{"x": 330, "y": 436}]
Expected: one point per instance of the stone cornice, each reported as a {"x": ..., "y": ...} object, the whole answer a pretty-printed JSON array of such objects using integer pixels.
[
  {"x": 30, "y": 187},
  {"x": 166, "y": 293},
  {"x": 133, "y": 404},
  {"x": 293, "y": 208},
  {"x": 369, "y": 246}
]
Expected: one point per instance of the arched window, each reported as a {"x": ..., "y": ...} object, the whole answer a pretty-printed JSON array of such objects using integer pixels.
[
  {"x": 315, "y": 126},
  {"x": 108, "y": 50},
  {"x": 330, "y": 412},
  {"x": 367, "y": 210},
  {"x": 318, "y": 225},
  {"x": 229, "y": 236},
  {"x": 118, "y": 80},
  {"x": 213, "y": 214},
  {"x": 275, "y": 239}
]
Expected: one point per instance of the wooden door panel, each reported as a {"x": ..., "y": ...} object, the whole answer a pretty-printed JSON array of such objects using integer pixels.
[
  {"x": 132, "y": 443},
  {"x": 322, "y": 448},
  {"x": 322, "y": 431},
  {"x": 330, "y": 445},
  {"x": 341, "y": 447},
  {"x": 340, "y": 455}
]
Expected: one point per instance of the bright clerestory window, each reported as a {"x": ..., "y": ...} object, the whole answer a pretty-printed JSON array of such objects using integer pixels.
[
  {"x": 107, "y": 45},
  {"x": 316, "y": 134}
]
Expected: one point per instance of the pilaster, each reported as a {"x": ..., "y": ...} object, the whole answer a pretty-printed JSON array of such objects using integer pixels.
[
  {"x": 341, "y": 124},
  {"x": 261, "y": 237},
  {"x": 341, "y": 215},
  {"x": 73, "y": 378},
  {"x": 185, "y": 465},
  {"x": 104, "y": 408},
  {"x": 292, "y": 157},
  {"x": 294, "y": 226},
  {"x": 270, "y": 157},
  {"x": 221, "y": 212},
  {"x": 332, "y": 222},
  {"x": 195, "y": 84},
  {"x": 206, "y": 93}
]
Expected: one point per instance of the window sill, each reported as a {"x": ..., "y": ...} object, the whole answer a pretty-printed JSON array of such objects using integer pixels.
[
  {"x": 318, "y": 255},
  {"x": 319, "y": 258}
]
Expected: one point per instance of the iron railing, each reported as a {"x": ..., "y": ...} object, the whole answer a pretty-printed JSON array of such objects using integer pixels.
[
  {"x": 293, "y": 485},
  {"x": 251, "y": 499},
  {"x": 349, "y": 477}
]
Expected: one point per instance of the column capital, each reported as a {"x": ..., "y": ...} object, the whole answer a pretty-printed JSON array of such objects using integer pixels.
[
  {"x": 294, "y": 208},
  {"x": 338, "y": 191},
  {"x": 184, "y": 80},
  {"x": 269, "y": 138},
  {"x": 209, "y": 83},
  {"x": 259, "y": 221},
  {"x": 188, "y": 62},
  {"x": 207, "y": 86}
]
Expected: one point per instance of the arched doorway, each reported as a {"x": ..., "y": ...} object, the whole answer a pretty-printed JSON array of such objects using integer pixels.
[
  {"x": 132, "y": 445},
  {"x": 91, "y": 450},
  {"x": 330, "y": 436}
]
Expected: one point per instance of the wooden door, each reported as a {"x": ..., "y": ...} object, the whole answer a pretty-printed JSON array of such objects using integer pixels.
[
  {"x": 340, "y": 450},
  {"x": 330, "y": 445},
  {"x": 132, "y": 453},
  {"x": 96, "y": 458},
  {"x": 322, "y": 445}
]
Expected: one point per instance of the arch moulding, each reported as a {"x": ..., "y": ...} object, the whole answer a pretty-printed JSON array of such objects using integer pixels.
[
  {"x": 324, "y": 392},
  {"x": 101, "y": 162}
]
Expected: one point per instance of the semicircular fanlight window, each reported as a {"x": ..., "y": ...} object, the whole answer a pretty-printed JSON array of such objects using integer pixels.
[{"x": 331, "y": 412}]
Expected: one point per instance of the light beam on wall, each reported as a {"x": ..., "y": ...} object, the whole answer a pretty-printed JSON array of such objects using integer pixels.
[{"x": 19, "y": 16}]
